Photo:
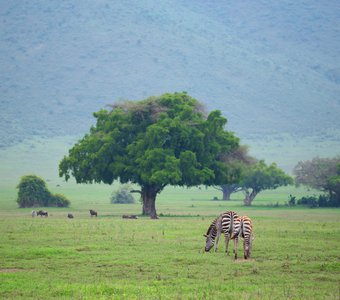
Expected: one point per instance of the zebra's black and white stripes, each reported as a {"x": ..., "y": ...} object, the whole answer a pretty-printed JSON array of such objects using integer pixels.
[
  {"x": 243, "y": 228},
  {"x": 223, "y": 223}
]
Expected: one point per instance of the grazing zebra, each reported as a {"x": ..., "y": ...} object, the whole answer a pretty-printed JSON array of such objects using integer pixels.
[
  {"x": 223, "y": 223},
  {"x": 42, "y": 213},
  {"x": 93, "y": 213},
  {"x": 244, "y": 229}
]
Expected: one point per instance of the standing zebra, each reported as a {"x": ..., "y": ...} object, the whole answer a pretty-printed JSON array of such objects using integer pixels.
[
  {"x": 243, "y": 228},
  {"x": 224, "y": 222}
]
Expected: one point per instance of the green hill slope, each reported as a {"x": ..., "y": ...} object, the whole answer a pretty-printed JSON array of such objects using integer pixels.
[{"x": 271, "y": 68}]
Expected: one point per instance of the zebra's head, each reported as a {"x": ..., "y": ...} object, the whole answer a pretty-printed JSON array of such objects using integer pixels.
[
  {"x": 209, "y": 242},
  {"x": 210, "y": 237}
]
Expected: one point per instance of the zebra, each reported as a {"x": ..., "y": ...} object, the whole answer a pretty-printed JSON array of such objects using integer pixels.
[
  {"x": 223, "y": 223},
  {"x": 243, "y": 228}
]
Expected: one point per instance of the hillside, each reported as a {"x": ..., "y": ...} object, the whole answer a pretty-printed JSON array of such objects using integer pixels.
[{"x": 271, "y": 68}]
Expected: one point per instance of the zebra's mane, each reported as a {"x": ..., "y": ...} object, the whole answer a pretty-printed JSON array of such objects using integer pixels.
[{"x": 212, "y": 227}]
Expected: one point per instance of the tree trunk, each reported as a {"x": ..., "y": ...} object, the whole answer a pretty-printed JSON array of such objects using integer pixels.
[
  {"x": 226, "y": 194},
  {"x": 228, "y": 189},
  {"x": 249, "y": 197},
  {"x": 149, "y": 194}
]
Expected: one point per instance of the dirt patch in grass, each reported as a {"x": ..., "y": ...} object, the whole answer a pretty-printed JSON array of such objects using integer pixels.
[
  {"x": 242, "y": 260},
  {"x": 11, "y": 270}
]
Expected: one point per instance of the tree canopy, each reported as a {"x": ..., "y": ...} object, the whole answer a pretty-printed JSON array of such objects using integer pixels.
[
  {"x": 237, "y": 161},
  {"x": 320, "y": 173},
  {"x": 160, "y": 141},
  {"x": 261, "y": 177}
]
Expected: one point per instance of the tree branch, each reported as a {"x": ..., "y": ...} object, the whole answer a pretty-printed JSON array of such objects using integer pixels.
[{"x": 136, "y": 191}]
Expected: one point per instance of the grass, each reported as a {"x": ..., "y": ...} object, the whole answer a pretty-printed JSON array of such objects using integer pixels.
[
  {"x": 295, "y": 253},
  {"x": 110, "y": 257}
]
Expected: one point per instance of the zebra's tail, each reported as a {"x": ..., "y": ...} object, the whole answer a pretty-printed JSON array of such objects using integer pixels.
[{"x": 237, "y": 230}]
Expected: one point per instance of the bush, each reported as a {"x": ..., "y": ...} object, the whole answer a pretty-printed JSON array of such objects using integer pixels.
[
  {"x": 122, "y": 196},
  {"x": 292, "y": 200},
  {"x": 321, "y": 201},
  {"x": 311, "y": 201},
  {"x": 59, "y": 200},
  {"x": 34, "y": 192}
]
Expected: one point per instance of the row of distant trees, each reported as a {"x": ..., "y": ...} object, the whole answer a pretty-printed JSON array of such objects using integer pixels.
[
  {"x": 169, "y": 140},
  {"x": 253, "y": 176},
  {"x": 322, "y": 174}
]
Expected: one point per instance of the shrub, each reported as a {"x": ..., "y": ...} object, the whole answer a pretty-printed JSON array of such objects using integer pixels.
[
  {"x": 34, "y": 192},
  {"x": 59, "y": 200},
  {"x": 311, "y": 201},
  {"x": 122, "y": 196},
  {"x": 292, "y": 200},
  {"x": 320, "y": 201}
]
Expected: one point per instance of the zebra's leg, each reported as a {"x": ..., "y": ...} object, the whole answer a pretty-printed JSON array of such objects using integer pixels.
[
  {"x": 227, "y": 243},
  {"x": 235, "y": 246},
  {"x": 245, "y": 248},
  {"x": 250, "y": 246},
  {"x": 217, "y": 239}
]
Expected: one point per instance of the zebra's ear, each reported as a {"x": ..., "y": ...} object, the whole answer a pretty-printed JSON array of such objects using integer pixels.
[{"x": 205, "y": 235}]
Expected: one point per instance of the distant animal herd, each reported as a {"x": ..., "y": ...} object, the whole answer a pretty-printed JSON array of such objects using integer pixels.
[
  {"x": 93, "y": 213},
  {"x": 233, "y": 226},
  {"x": 43, "y": 213}
]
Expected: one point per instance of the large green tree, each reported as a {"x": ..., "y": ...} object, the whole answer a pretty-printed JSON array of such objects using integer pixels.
[
  {"x": 261, "y": 177},
  {"x": 160, "y": 141}
]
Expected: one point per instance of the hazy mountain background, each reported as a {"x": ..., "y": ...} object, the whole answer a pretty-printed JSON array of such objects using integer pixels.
[{"x": 272, "y": 67}]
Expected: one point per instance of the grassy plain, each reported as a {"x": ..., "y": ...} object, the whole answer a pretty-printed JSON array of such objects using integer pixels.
[{"x": 295, "y": 256}]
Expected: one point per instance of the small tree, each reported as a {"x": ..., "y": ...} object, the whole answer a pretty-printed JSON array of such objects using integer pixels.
[
  {"x": 237, "y": 162},
  {"x": 121, "y": 196},
  {"x": 261, "y": 177},
  {"x": 322, "y": 174},
  {"x": 334, "y": 186},
  {"x": 34, "y": 192}
]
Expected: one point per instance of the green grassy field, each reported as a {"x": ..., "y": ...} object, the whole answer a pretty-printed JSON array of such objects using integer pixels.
[{"x": 295, "y": 255}]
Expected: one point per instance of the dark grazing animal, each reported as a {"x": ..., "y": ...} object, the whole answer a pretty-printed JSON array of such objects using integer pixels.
[
  {"x": 243, "y": 229},
  {"x": 70, "y": 216},
  {"x": 129, "y": 217},
  {"x": 93, "y": 213},
  {"x": 223, "y": 223},
  {"x": 42, "y": 213}
]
